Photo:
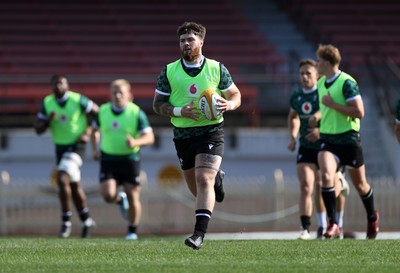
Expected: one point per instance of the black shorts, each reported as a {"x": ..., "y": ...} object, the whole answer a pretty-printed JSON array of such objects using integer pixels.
[
  {"x": 307, "y": 155},
  {"x": 348, "y": 154},
  {"x": 210, "y": 143},
  {"x": 78, "y": 148},
  {"x": 123, "y": 171}
]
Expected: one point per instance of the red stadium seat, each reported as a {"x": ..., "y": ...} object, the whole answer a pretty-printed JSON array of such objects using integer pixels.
[
  {"x": 119, "y": 38},
  {"x": 357, "y": 27}
]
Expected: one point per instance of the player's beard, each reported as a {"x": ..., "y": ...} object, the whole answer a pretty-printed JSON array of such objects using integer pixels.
[{"x": 190, "y": 57}]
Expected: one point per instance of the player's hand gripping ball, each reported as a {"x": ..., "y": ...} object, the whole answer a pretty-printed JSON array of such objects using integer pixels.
[{"x": 208, "y": 104}]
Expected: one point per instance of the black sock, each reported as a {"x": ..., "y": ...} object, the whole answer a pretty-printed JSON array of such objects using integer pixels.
[
  {"x": 305, "y": 222},
  {"x": 66, "y": 216},
  {"x": 132, "y": 228},
  {"x": 328, "y": 194},
  {"x": 84, "y": 214},
  {"x": 368, "y": 201},
  {"x": 202, "y": 218}
]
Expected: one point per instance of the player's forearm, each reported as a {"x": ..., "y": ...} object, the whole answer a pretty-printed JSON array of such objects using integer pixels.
[
  {"x": 163, "y": 108},
  {"x": 294, "y": 127},
  {"x": 235, "y": 101},
  {"x": 94, "y": 140},
  {"x": 293, "y": 123},
  {"x": 40, "y": 126},
  {"x": 397, "y": 131},
  {"x": 145, "y": 139}
]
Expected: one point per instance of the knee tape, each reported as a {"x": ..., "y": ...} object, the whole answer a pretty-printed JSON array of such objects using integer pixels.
[{"x": 71, "y": 164}]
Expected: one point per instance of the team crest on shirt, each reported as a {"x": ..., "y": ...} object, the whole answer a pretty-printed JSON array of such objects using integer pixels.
[
  {"x": 306, "y": 107},
  {"x": 63, "y": 118},
  {"x": 193, "y": 89},
  {"x": 115, "y": 124}
]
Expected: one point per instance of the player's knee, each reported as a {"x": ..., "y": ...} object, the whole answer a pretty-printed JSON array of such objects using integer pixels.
[
  {"x": 108, "y": 197},
  {"x": 362, "y": 188},
  {"x": 203, "y": 181},
  {"x": 326, "y": 178}
]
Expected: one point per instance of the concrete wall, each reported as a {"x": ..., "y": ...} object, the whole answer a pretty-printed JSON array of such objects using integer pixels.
[
  {"x": 262, "y": 150},
  {"x": 246, "y": 143}
]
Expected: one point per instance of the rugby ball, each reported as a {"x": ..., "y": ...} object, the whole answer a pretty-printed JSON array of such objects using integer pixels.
[{"x": 208, "y": 104}]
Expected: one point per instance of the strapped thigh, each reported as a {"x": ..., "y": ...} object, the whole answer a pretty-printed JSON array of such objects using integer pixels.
[
  {"x": 206, "y": 167},
  {"x": 71, "y": 163}
]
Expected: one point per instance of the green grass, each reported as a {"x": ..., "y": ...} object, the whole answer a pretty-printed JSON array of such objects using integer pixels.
[{"x": 169, "y": 254}]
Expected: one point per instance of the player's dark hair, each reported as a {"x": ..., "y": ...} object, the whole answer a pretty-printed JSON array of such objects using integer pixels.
[
  {"x": 56, "y": 78},
  {"x": 192, "y": 27}
]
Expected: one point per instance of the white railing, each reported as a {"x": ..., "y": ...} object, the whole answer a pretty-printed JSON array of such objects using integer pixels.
[{"x": 251, "y": 204}]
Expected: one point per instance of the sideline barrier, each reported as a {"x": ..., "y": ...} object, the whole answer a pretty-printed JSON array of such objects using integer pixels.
[{"x": 250, "y": 206}]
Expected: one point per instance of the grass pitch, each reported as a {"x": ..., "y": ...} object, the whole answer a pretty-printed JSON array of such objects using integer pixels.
[{"x": 169, "y": 254}]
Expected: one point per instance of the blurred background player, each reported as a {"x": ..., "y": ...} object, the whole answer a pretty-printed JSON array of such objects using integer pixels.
[
  {"x": 397, "y": 125},
  {"x": 304, "y": 104},
  {"x": 341, "y": 108},
  {"x": 199, "y": 142},
  {"x": 124, "y": 128},
  {"x": 68, "y": 115}
]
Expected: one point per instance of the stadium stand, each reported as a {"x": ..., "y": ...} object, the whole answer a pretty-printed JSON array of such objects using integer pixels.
[
  {"x": 96, "y": 41},
  {"x": 357, "y": 27}
]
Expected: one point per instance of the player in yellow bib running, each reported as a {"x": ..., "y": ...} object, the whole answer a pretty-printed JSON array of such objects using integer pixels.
[
  {"x": 67, "y": 114},
  {"x": 341, "y": 107},
  {"x": 199, "y": 142},
  {"x": 123, "y": 129}
]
